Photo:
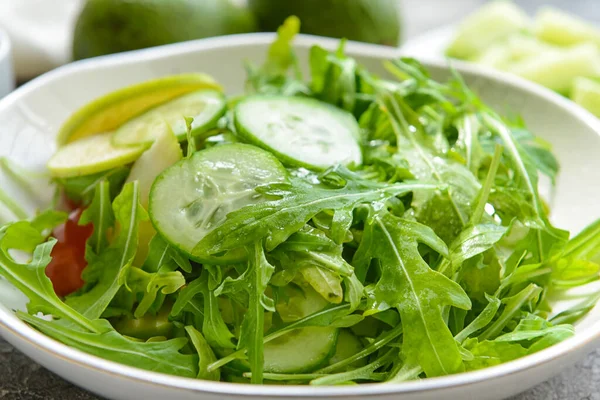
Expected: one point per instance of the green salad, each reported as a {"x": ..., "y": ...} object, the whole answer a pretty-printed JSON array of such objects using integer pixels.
[{"x": 351, "y": 228}]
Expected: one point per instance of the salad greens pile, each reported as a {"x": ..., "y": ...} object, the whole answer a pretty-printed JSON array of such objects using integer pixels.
[{"x": 416, "y": 245}]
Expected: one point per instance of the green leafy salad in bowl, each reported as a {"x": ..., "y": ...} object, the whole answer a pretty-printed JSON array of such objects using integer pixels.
[{"x": 351, "y": 228}]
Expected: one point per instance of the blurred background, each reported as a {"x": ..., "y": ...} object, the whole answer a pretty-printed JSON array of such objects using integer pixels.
[
  {"x": 552, "y": 42},
  {"x": 49, "y": 33}
]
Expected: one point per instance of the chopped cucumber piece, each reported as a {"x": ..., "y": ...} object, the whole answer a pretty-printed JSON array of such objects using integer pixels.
[
  {"x": 515, "y": 49},
  {"x": 347, "y": 346},
  {"x": 300, "y": 131},
  {"x": 558, "y": 69},
  {"x": 557, "y": 27},
  {"x": 205, "y": 106},
  {"x": 301, "y": 350},
  {"x": 193, "y": 197},
  {"x": 107, "y": 113},
  {"x": 586, "y": 93},
  {"x": 90, "y": 155},
  {"x": 491, "y": 23}
]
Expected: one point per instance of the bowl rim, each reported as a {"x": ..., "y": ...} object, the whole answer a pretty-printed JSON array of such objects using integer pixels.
[{"x": 11, "y": 325}]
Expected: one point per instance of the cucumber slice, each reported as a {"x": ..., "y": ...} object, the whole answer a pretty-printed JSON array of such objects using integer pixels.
[
  {"x": 301, "y": 350},
  {"x": 557, "y": 70},
  {"x": 555, "y": 26},
  {"x": 347, "y": 346},
  {"x": 493, "y": 22},
  {"x": 90, "y": 155},
  {"x": 205, "y": 106},
  {"x": 107, "y": 113},
  {"x": 193, "y": 197},
  {"x": 300, "y": 131},
  {"x": 586, "y": 93}
]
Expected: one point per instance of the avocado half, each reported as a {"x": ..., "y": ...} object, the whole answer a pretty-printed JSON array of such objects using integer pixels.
[
  {"x": 371, "y": 21},
  {"x": 113, "y": 26}
]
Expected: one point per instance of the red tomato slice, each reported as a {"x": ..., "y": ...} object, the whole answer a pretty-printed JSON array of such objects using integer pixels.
[
  {"x": 65, "y": 269},
  {"x": 68, "y": 255}
]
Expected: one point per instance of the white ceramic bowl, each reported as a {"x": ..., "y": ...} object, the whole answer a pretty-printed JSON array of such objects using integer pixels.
[
  {"x": 7, "y": 78},
  {"x": 30, "y": 117}
]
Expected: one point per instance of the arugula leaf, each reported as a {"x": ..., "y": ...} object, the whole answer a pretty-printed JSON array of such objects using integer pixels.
[
  {"x": 103, "y": 271},
  {"x": 251, "y": 336},
  {"x": 539, "y": 151},
  {"x": 105, "y": 342},
  {"x": 475, "y": 240},
  {"x": 362, "y": 373},
  {"x": 81, "y": 189},
  {"x": 383, "y": 340},
  {"x": 149, "y": 285},
  {"x": 326, "y": 283},
  {"x": 30, "y": 278},
  {"x": 447, "y": 211},
  {"x": 334, "y": 77},
  {"x": 482, "y": 320},
  {"x": 468, "y": 142},
  {"x": 205, "y": 355},
  {"x": 419, "y": 292},
  {"x": 101, "y": 215},
  {"x": 272, "y": 76},
  {"x": 213, "y": 327},
  {"x": 299, "y": 201},
  {"x": 527, "y": 180},
  {"x": 489, "y": 353},
  {"x": 512, "y": 306},
  {"x": 534, "y": 328},
  {"x": 162, "y": 256}
]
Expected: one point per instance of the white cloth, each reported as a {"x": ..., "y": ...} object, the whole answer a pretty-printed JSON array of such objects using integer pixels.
[{"x": 40, "y": 31}]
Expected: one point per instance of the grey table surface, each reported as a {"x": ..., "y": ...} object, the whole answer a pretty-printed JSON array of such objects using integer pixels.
[{"x": 22, "y": 379}]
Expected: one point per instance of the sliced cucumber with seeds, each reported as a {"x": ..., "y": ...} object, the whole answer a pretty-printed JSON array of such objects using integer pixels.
[
  {"x": 90, "y": 155},
  {"x": 193, "y": 197},
  {"x": 300, "y": 131},
  {"x": 205, "y": 106}
]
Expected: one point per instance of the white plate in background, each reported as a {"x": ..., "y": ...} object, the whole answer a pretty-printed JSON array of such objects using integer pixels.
[{"x": 7, "y": 78}]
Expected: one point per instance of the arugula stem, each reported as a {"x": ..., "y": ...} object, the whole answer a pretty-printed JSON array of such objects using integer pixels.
[
  {"x": 404, "y": 373},
  {"x": 509, "y": 311},
  {"x": 398, "y": 117},
  {"x": 371, "y": 348},
  {"x": 365, "y": 372},
  {"x": 487, "y": 186}
]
